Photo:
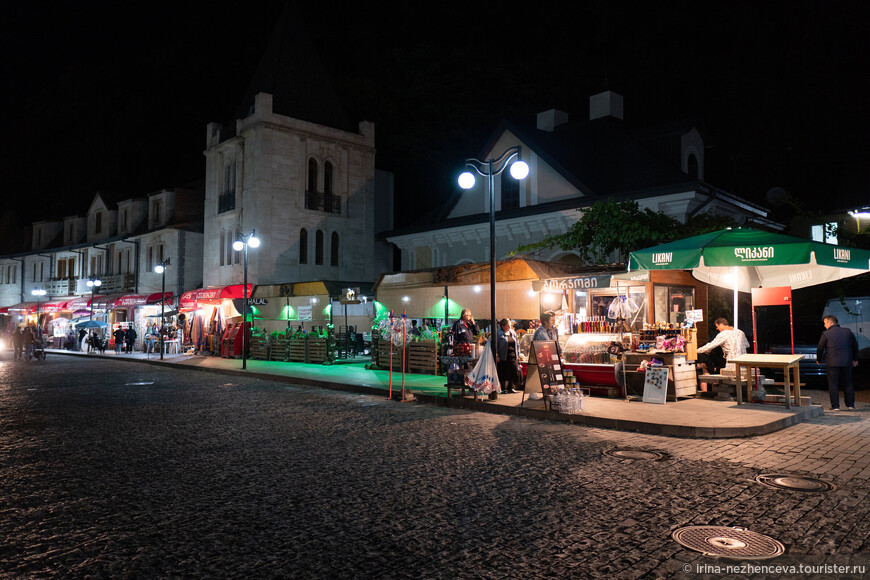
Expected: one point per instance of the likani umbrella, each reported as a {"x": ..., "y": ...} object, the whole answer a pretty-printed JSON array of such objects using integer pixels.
[
  {"x": 745, "y": 258},
  {"x": 91, "y": 324}
]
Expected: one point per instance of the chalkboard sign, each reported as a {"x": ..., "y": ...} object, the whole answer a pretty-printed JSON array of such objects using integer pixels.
[
  {"x": 545, "y": 368},
  {"x": 655, "y": 385}
]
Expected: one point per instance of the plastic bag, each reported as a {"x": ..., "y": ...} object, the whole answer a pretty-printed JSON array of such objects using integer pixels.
[{"x": 483, "y": 378}]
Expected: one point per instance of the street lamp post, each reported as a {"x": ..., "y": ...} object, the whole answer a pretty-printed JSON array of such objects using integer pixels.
[
  {"x": 239, "y": 245},
  {"x": 93, "y": 284},
  {"x": 38, "y": 292},
  {"x": 490, "y": 168},
  {"x": 160, "y": 268}
]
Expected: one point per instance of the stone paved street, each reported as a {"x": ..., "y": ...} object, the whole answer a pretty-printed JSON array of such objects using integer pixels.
[{"x": 112, "y": 469}]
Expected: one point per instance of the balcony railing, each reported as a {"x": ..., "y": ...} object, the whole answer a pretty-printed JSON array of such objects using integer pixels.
[{"x": 325, "y": 202}]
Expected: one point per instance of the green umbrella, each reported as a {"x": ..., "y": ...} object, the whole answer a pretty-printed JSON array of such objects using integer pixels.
[{"x": 745, "y": 258}]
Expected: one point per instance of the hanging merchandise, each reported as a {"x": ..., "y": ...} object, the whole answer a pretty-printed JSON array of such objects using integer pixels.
[{"x": 483, "y": 378}]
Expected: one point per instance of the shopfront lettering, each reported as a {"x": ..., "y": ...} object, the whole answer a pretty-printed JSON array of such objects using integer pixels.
[
  {"x": 661, "y": 258},
  {"x": 558, "y": 285},
  {"x": 800, "y": 276},
  {"x": 257, "y": 301},
  {"x": 754, "y": 253},
  {"x": 842, "y": 255}
]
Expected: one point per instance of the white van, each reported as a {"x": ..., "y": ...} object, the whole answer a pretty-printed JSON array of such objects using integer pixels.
[{"x": 853, "y": 313}]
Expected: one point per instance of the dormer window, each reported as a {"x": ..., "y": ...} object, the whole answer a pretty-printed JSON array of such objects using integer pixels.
[
  {"x": 98, "y": 222},
  {"x": 155, "y": 212},
  {"x": 124, "y": 221}
]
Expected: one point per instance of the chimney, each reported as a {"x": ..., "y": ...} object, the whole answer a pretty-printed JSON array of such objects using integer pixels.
[
  {"x": 606, "y": 104},
  {"x": 549, "y": 120}
]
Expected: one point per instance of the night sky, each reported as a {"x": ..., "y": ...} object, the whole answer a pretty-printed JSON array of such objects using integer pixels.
[{"x": 115, "y": 96}]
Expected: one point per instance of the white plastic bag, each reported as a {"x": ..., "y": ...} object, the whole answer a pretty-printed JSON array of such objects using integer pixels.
[{"x": 483, "y": 378}]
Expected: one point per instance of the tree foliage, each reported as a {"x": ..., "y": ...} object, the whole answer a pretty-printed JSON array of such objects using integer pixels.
[{"x": 622, "y": 227}]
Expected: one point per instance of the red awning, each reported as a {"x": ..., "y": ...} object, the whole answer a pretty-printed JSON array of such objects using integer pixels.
[
  {"x": 4, "y": 310},
  {"x": 129, "y": 300},
  {"x": 106, "y": 302},
  {"x": 54, "y": 307},
  {"x": 23, "y": 307},
  {"x": 80, "y": 303},
  {"x": 195, "y": 298}
]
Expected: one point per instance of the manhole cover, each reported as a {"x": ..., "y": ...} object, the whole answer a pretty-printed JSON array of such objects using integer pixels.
[
  {"x": 795, "y": 482},
  {"x": 725, "y": 542},
  {"x": 635, "y": 454}
]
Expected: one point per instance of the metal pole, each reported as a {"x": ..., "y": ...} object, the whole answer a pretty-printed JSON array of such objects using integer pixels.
[
  {"x": 492, "y": 333},
  {"x": 245, "y": 311},
  {"x": 162, "y": 310}
]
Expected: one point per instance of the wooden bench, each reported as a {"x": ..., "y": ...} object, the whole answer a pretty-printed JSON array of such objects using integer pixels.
[
  {"x": 725, "y": 386},
  {"x": 461, "y": 388}
]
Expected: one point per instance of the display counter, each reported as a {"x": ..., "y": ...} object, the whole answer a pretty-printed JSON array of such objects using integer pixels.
[
  {"x": 682, "y": 379},
  {"x": 586, "y": 353}
]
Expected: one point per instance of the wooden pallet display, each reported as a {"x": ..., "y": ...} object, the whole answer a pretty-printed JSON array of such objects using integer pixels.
[
  {"x": 423, "y": 357},
  {"x": 384, "y": 356},
  {"x": 278, "y": 349},
  {"x": 296, "y": 350},
  {"x": 316, "y": 350},
  {"x": 259, "y": 347}
]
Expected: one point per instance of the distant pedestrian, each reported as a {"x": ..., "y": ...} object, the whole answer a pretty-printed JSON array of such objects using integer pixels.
[
  {"x": 82, "y": 334},
  {"x": 28, "y": 338},
  {"x": 415, "y": 330},
  {"x": 839, "y": 347},
  {"x": 17, "y": 342},
  {"x": 131, "y": 338},
  {"x": 120, "y": 337}
]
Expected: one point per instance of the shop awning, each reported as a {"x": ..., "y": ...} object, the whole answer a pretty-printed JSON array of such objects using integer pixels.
[
  {"x": 194, "y": 298},
  {"x": 53, "y": 307},
  {"x": 129, "y": 300},
  {"x": 106, "y": 302},
  {"x": 4, "y": 310},
  {"x": 23, "y": 307},
  {"x": 80, "y": 303}
]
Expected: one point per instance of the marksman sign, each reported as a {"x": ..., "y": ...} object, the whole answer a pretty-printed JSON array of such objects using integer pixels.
[{"x": 561, "y": 284}]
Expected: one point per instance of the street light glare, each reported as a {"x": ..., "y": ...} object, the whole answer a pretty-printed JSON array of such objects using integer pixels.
[
  {"x": 159, "y": 268},
  {"x": 238, "y": 245},
  {"x": 254, "y": 242},
  {"x": 519, "y": 169},
  {"x": 466, "y": 180}
]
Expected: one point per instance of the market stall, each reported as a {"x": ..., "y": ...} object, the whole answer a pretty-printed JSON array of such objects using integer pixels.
[{"x": 207, "y": 311}]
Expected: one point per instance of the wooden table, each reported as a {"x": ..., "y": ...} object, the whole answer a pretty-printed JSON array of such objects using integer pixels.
[{"x": 786, "y": 362}]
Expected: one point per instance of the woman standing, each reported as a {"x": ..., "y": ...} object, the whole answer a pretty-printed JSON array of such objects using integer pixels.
[{"x": 507, "y": 362}]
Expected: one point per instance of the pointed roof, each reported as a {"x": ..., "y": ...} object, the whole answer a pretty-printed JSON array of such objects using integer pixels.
[{"x": 292, "y": 72}]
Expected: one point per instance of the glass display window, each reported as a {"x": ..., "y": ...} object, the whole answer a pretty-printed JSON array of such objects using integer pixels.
[{"x": 672, "y": 302}]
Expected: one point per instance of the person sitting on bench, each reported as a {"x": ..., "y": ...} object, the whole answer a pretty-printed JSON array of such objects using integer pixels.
[{"x": 732, "y": 341}]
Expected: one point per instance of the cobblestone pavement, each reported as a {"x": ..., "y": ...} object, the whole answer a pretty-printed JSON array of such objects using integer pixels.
[{"x": 110, "y": 469}]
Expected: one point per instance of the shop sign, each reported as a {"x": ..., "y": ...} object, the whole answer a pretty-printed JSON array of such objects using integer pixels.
[
  {"x": 304, "y": 312},
  {"x": 349, "y": 296},
  {"x": 560, "y": 284},
  {"x": 693, "y": 316}
]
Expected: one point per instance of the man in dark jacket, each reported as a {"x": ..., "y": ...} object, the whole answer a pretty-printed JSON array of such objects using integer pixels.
[
  {"x": 120, "y": 337},
  {"x": 839, "y": 347},
  {"x": 131, "y": 338}
]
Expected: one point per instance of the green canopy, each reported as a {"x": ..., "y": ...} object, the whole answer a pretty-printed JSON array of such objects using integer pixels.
[{"x": 757, "y": 258}]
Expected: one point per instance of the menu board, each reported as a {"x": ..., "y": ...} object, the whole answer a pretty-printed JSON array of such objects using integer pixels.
[
  {"x": 655, "y": 385},
  {"x": 545, "y": 367}
]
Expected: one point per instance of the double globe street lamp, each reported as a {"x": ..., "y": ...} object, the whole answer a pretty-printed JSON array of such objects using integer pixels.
[
  {"x": 93, "y": 284},
  {"x": 38, "y": 292},
  {"x": 160, "y": 268},
  {"x": 519, "y": 169},
  {"x": 241, "y": 244}
]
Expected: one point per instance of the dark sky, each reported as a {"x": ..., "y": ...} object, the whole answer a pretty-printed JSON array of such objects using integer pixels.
[{"x": 115, "y": 96}]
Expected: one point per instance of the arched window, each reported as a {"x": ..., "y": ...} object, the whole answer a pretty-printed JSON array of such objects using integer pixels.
[
  {"x": 303, "y": 246},
  {"x": 238, "y": 254},
  {"x": 327, "y": 178},
  {"x": 318, "y": 248},
  {"x": 229, "y": 247},
  {"x": 333, "y": 250},
  {"x": 312, "y": 175},
  {"x": 221, "y": 247}
]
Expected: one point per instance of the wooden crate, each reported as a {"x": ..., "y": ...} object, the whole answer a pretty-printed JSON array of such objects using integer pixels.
[
  {"x": 423, "y": 357},
  {"x": 278, "y": 349},
  {"x": 384, "y": 356},
  {"x": 316, "y": 350},
  {"x": 296, "y": 350},
  {"x": 259, "y": 348}
]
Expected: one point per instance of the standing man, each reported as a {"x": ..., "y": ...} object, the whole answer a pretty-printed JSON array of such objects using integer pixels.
[
  {"x": 130, "y": 335},
  {"x": 732, "y": 340},
  {"x": 120, "y": 337},
  {"x": 17, "y": 342},
  {"x": 465, "y": 328},
  {"x": 840, "y": 348}
]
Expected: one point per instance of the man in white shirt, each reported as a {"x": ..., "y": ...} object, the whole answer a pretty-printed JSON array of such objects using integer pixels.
[{"x": 732, "y": 341}]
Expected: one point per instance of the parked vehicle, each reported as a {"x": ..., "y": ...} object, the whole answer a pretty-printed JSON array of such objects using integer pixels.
[{"x": 853, "y": 313}]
